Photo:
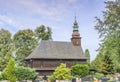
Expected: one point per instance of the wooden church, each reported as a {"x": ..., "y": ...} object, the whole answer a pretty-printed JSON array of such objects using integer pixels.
[{"x": 49, "y": 54}]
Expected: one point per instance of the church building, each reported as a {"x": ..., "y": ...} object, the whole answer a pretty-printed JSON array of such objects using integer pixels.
[{"x": 50, "y": 54}]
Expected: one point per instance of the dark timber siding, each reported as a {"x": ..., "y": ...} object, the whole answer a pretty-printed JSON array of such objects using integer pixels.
[{"x": 47, "y": 66}]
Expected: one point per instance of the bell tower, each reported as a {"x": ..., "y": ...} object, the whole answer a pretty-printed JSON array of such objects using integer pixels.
[{"x": 76, "y": 39}]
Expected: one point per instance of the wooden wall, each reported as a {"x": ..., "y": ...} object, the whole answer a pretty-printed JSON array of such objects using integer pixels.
[{"x": 45, "y": 66}]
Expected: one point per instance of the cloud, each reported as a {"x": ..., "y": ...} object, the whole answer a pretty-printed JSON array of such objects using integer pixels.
[
  {"x": 53, "y": 9},
  {"x": 45, "y": 9},
  {"x": 10, "y": 21}
]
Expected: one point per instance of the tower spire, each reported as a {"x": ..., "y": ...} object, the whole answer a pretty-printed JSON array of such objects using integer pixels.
[
  {"x": 76, "y": 39},
  {"x": 75, "y": 17}
]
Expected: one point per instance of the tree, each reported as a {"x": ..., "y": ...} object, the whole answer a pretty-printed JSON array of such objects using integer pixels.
[
  {"x": 111, "y": 20},
  {"x": 62, "y": 73},
  {"x": 24, "y": 43},
  {"x": 80, "y": 70},
  {"x": 9, "y": 71},
  {"x": 5, "y": 48},
  {"x": 107, "y": 66},
  {"x": 88, "y": 55},
  {"x": 109, "y": 31},
  {"x": 43, "y": 33}
]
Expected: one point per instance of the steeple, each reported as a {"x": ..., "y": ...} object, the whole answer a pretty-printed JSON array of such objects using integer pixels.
[{"x": 76, "y": 39}]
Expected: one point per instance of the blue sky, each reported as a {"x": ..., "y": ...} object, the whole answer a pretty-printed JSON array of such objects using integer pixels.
[{"x": 57, "y": 14}]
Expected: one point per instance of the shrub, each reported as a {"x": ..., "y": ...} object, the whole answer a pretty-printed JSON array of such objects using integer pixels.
[
  {"x": 25, "y": 73},
  {"x": 1, "y": 77},
  {"x": 80, "y": 70},
  {"x": 98, "y": 75},
  {"x": 62, "y": 73},
  {"x": 51, "y": 78},
  {"x": 9, "y": 72}
]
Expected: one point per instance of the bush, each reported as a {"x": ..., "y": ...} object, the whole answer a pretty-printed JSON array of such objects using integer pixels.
[
  {"x": 62, "y": 73},
  {"x": 80, "y": 70},
  {"x": 1, "y": 77},
  {"x": 9, "y": 72},
  {"x": 51, "y": 78},
  {"x": 25, "y": 73},
  {"x": 98, "y": 75}
]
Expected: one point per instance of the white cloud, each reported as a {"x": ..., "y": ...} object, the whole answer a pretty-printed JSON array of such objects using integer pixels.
[
  {"x": 10, "y": 21},
  {"x": 56, "y": 11}
]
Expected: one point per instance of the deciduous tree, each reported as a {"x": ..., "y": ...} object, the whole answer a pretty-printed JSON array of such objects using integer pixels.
[
  {"x": 5, "y": 47},
  {"x": 43, "y": 33},
  {"x": 24, "y": 43}
]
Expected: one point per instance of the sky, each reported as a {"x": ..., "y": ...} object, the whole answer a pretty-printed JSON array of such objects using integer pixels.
[{"x": 58, "y": 14}]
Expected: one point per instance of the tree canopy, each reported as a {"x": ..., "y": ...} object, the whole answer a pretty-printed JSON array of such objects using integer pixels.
[
  {"x": 24, "y": 43},
  {"x": 21, "y": 44},
  {"x": 108, "y": 28},
  {"x": 6, "y": 47},
  {"x": 43, "y": 33}
]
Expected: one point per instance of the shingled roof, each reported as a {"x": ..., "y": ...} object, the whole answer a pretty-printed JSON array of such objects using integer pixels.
[{"x": 57, "y": 50}]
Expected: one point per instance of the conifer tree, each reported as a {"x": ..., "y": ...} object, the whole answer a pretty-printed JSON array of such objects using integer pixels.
[
  {"x": 9, "y": 71},
  {"x": 107, "y": 65}
]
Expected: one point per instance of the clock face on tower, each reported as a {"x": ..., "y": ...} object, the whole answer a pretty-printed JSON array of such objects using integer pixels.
[{"x": 77, "y": 42}]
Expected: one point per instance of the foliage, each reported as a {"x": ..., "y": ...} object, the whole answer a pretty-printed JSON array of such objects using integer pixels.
[
  {"x": 111, "y": 48},
  {"x": 1, "y": 77},
  {"x": 111, "y": 19},
  {"x": 118, "y": 69},
  {"x": 24, "y": 42},
  {"x": 43, "y": 32},
  {"x": 25, "y": 73},
  {"x": 5, "y": 48},
  {"x": 62, "y": 73},
  {"x": 9, "y": 72},
  {"x": 88, "y": 56},
  {"x": 51, "y": 78},
  {"x": 98, "y": 75},
  {"x": 96, "y": 63},
  {"x": 21, "y": 45},
  {"x": 109, "y": 32},
  {"x": 107, "y": 66},
  {"x": 80, "y": 70}
]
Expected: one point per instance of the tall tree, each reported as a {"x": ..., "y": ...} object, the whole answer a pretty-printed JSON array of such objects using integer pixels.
[
  {"x": 43, "y": 33},
  {"x": 24, "y": 43},
  {"x": 88, "y": 55},
  {"x": 5, "y": 47},
  {"x": 109, "y": 31}
]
